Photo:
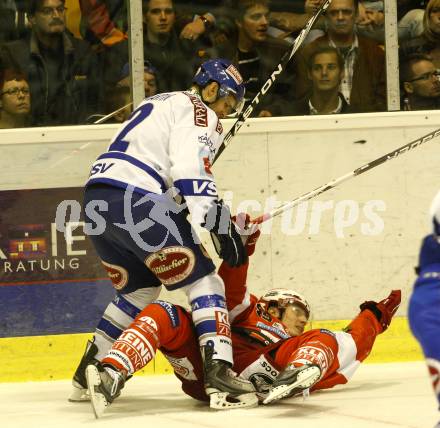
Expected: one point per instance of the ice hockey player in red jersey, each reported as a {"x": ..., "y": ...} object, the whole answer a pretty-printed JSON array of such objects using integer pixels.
[{"x": 270, "y": 348}]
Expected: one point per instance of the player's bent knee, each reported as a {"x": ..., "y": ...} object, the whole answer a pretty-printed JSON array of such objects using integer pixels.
[
  {"x": 162, "y": 313},
  {"x": 142, "y": 296},
  {"x": 171, "y": 322},
  {"x": 208, "y": 285}
]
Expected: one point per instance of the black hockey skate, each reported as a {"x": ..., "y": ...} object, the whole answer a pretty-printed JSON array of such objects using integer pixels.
[
  {"x": 79, "y": 381},
  {"x": 293, "y": 380},
  {"x": 104, "y": 385},
  {"x": 226, "y": 390}
]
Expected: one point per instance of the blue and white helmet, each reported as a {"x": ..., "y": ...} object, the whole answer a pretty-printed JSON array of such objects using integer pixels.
[{"x": 226, "y": 75}]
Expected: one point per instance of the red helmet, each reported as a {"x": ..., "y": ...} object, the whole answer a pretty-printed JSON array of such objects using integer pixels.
[{"x": 282, "y": 297}]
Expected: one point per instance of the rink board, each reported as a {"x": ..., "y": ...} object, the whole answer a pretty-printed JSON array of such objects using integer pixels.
[
  {"x": 56, "y": 357},
  {"x": 50, "y": 282},
  {"x": 353, "y": 243},
  {"x": 332, "y": 250}
]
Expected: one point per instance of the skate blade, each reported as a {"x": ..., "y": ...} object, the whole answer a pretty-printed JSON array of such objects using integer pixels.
[
  {"x": 79, "y": 395},
  {"x": 224, "y": 401},
  {"x": 305, "y": 380},
  {"x": 97, "y": 400}
]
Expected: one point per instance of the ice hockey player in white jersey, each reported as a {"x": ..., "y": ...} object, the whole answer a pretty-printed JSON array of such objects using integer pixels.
[{"x": 142, "y": 235}]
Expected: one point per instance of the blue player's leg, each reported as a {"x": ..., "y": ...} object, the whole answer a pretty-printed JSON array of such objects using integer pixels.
[
  {"x": 119, "y": 314},
  {"x": 210, "y": 318},
  {"x": 424, "y": 304},
  {"x": 135, "y": 287},
  {"x": 425, "y": 325}
]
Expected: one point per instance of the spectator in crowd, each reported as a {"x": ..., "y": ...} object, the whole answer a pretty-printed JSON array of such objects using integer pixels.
[
  {"x": 428, "y": 42},
  {"x": 288, "y": 18},
  {"x": 8, "y": 29},
  {"x": 174, "y": 59},
  {"x": 410, "y": 18},
  {"x": 120, "y": 96},
  {"x": 257, "y": 55},
  {"x": 371, "y": 22},
  {"x": 150, "y": 83},
  {"x": 420, "y": 82},
  {"x": 118, "y": 107},
  {"x": 61, "y": 70},
  {"x": 104, "y": 21},
  {"x": 374, "y": 10},
  {"x": 325, "y": 71},
  {"x": 363, "y": 85},
  {"x": 404, "y": 6},
  {"x": 15, "y": 100},
  {"x": 197, "y": 18}
]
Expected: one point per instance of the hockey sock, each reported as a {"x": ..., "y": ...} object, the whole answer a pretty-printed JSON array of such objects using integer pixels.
[
  {"x": 135, "y": 348},
  {"x": 210, "y": 315},
  {"x": 160, "y": 324},
  {"x": 119, "y": 314}
]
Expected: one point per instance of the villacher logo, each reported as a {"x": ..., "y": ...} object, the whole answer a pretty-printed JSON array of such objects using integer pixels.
[{"x": 171, "y": 264}]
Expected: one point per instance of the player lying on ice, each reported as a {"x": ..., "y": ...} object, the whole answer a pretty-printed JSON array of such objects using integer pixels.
[{"x": 270, "y": 348}]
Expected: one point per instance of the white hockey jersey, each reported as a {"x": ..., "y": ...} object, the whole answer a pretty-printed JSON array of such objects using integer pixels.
[{"x": 169, "y": 140}]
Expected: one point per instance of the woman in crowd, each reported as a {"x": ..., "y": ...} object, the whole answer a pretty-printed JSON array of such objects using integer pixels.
[{"x": 15, "y": 100}]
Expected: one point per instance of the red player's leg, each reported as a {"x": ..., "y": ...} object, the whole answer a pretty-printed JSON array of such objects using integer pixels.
[
  {"x": 314, "y": 347},
  {"x": 306, "y": 359},
  {"x": 160, "y": 324}
]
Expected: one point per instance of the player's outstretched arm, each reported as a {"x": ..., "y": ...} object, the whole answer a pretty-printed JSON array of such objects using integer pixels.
[
  {"x": 385, "y": 309},
  {"x": 235, "y": 278}
]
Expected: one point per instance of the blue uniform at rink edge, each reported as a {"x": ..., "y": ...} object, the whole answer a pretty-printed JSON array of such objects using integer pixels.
[{"x": 424, "y": 308}]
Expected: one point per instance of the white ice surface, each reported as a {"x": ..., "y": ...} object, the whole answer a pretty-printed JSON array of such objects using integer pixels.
[{"x": 379, "y": 395}]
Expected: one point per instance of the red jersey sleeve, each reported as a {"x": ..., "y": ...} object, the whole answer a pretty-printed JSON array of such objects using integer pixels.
[{"x": 238, "y": 297}]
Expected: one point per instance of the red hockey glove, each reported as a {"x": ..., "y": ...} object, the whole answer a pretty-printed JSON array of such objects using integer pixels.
[
  {"x": 385, "y": 309},
  {"x": 249, "y": 232}
]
